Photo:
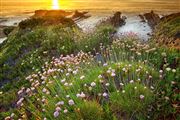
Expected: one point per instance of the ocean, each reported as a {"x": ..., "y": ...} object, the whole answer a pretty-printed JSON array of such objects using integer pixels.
[{"x": 18, "y": 7}]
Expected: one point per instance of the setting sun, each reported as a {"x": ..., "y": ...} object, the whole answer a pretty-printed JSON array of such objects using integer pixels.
[{"x": 55, "y": 5}]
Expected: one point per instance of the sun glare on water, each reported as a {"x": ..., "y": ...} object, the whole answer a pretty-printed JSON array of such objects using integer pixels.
[{"x": 55, "y": 5}]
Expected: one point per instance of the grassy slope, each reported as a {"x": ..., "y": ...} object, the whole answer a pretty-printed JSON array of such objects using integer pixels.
[
  {"x": 167, "y": 32},
  {"x": 26, "y": 51}
]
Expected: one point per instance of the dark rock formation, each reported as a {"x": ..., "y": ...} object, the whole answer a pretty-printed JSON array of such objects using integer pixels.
[
  {"x": 80, "y": 15},
  {"x": 51, "y": 13},
  {"x": 142, "y": 18},
  {"x": 152, "y": 18},
  {"x": 116, "y": 20}
]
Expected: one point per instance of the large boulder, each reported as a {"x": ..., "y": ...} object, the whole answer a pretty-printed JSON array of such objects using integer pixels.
[{"x": 117, "y": 20}]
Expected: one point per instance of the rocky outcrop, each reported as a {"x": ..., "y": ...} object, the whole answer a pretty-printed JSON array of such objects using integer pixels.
[
  {"x": 51, "y": 13},
  {"x": 116, "y": 20},
  {"x": 80, "y": 15},
  {"x": 152, "y": 18}
]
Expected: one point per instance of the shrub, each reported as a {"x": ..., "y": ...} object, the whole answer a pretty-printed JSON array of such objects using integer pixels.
[
  {"x": 89, "y": 110},
  {"x": 133, "y": 101},
  {"x": 8, "y": 30}
]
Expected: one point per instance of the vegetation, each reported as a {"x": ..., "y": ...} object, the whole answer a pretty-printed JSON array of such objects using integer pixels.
[{"x": 61, "y": 73}]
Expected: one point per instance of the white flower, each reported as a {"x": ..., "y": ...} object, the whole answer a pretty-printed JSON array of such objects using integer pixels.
[
  {"x": 71, "y": 102},
  {"x": 124, "y": 69},
  {"x": 78, "y": 95},
  {"x": 105, "y": 64},
  {"x": 93, "y": 84},
  {"x": 123, "y": 91},
  {"x": 135, "y": 88},
  {"x": 121, "y": 84},
  {"x": 141, "y": 97},
  {"x": 58, "y": 109},
  {"x": 168, "y": 69},
  {"x": 67, "y": 74},
  {"x": 100, "y": 76},
  {"x": 161, "y": 71},
  {"x": 107, "y": 84},
  {"x": 173, "y": 70},
  {"x": 63, "y": 80},
  {"x": 82, "y": 95},
  {"x": 60, "y": 103},
  {"x": 65, "y": 111},
  {"x": 82, "y": 77},
  {"x": 105, "y": 94},
  {"x": 56, "y": 114},
  {"x": 44, "y": 90},
  {"x": 67, "y": 96},
  {"x": 113, "y": 74},
  {"x": 132, "y": 81},
  {"x": 66, "y": 84}
]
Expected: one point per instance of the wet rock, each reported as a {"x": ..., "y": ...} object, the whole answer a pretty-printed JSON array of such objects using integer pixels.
[
  {"x": 80, "y": 15},
  {"x": 116, "y": 20},
  {"x": 152, "y": 19},
  {"x": 142, "y": 18}
]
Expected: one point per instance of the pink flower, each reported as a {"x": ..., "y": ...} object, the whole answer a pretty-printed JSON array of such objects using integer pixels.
[
  {"x": 141, "y": 97},
  {"x": 56, "y": 114},
  {"x": 71, "y": 102}
]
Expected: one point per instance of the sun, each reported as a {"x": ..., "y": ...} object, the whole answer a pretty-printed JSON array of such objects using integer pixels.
[{"x": 55, "y": 5}]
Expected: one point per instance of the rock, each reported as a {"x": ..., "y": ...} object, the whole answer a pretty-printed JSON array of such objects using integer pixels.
[
  {"x": 142, "y": 18},
  {"x": 116, "y": 20},
  {"x": 51, "y": 13},
  {"x": 80, "y": 15},
  {"x": 152, "y": 18}
]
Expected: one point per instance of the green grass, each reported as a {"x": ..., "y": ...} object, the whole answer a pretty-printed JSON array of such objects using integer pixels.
[{"x": 111, "y": 79}]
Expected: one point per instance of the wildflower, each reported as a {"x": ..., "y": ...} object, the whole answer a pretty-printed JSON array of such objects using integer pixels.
[
  {"x": 8, "y": 118},
  {"x": 166, "y": 98},
  {"x": 132, "y": 81},
  {"x": 63, "y": 80},
  {"x": 173, "y": 70},
  {"x": 82, "y": 95},
  {"x": 58, "y": 109},
  {"x": 45, "y": 119},
  {"x": 60, "y": 103},
  {"x": 163, "y": 54},
  {"x": 105, "y": 64},
  {"x": 113, "y": 74},
  {"x": 124, "y": 69},
  {"x": 100, "y": 76},
  {"x": 107, "y": 84},
  {"x": 66, "y": 84},
  {"x": 161, "y": 71},
  {"x": 56, "y": 114},
  {"x": 93, "y": 84},
  {"x": 135, "y": 88},
  {"x": 168, "y": 69},
  {"x": 121, "y": 84},
  {"x": 44, "y": 90},
  {"x": 90, "y": 88},
  {"x": 82, "y": 77},
  {"x": 65, "y": 111},
  {"x": 105, "y": 94},
  {"x": 75, "y": 72},
  {"x": 139, "y": 79},
  {"x": 141, "y": 97},
  {"x": 123, "y": 91},
  {"x": 67, "y": 74},
  {"x": 67, "y": 96},
  {"x": 71, "y": 102}
]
